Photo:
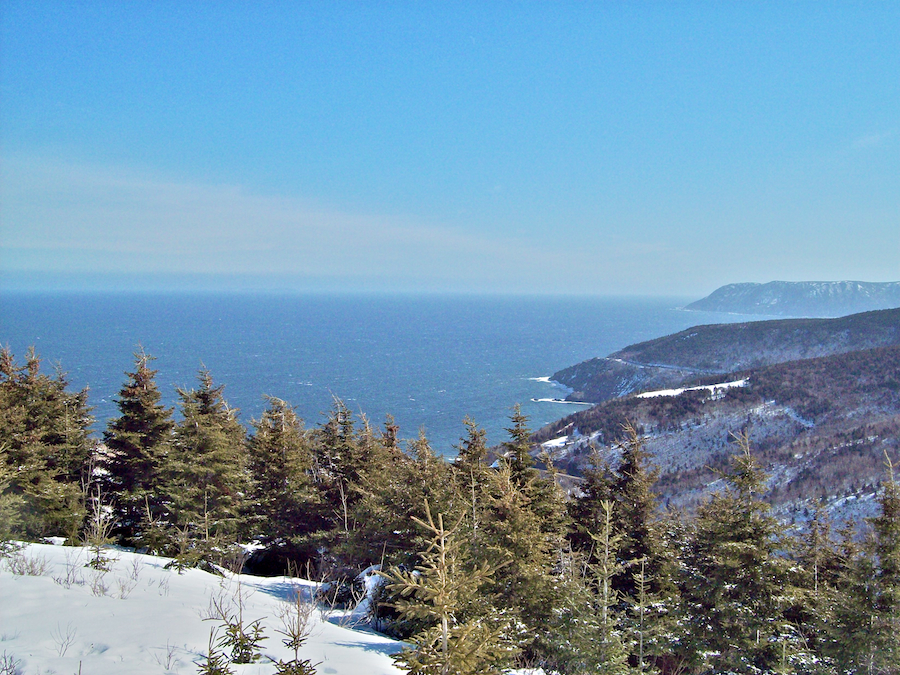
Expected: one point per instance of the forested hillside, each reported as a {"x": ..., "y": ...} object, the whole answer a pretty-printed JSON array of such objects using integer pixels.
[
  {"x": 485, "y": 567},
  {"x": 821, "y": 426},
  {"x": 724, "y": 348}
]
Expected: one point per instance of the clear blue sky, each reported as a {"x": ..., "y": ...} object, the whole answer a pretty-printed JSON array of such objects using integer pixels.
[{"x": 609, "y": 148}]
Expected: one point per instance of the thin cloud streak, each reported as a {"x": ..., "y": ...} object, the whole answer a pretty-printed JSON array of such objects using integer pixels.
[{"x": 68, "y": 217}]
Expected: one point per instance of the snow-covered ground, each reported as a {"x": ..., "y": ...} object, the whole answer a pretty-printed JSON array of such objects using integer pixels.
[
  {"x": 714, "y": 389},
  {"x": 141, "y": 618}
]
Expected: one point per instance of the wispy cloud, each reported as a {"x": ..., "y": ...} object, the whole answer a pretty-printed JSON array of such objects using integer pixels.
[
  {"x": 874, "y": 140},
  {"x": 69, "y": 217}
]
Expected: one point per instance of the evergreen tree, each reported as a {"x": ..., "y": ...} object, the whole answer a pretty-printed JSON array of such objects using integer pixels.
[
  {"x": 46, "y": 448},
  {"x": 644, "y": 560},
  {"x": 811, "y": 587},
  {"x": 391, "y": 489},
  {"x": 886, "y": 526},
  {"x": 472, "y": 477},
  {"x": 339, "y": 460},
  {"x": 10, "y": 504},
  {"x": 208, "y": 476},
  {"x": 734, "y": 578},
  {"x": 611, "y": 655},
  {"x": 523, "y": 535},
  {"x": 646, "y": 564},
  {"x": 526, "y": 549},
  {"x": 847, "y": 637},
  {"x": 283, "y": 501},
  {"x": 136, "y": 446},
  {"x": 636, "y": 519},
  {"x": 586, "y": 507},
  {"x": 466, "y": 635},
  {"x": 517, "y": 450}
]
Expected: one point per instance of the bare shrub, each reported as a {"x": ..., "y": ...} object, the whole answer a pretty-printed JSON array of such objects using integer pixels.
[
  {"x": 10, "y": 665},
  {"x": 63, "y": 639},
  {"x": 98, "y": 584},
  {"x": 24, "y": 564},
  {"x": 137, "y": 564},
  {"x": 124, "y": 586},
  {"x": 73, "y": 575},
  {"x": 166, "y": 657}
]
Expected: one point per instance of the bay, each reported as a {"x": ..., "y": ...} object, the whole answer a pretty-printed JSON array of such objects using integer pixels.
[{"x": 428, "y": 360}]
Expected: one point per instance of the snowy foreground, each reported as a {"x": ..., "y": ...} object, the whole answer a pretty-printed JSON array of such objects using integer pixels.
[{"x": 141, "y": 618}]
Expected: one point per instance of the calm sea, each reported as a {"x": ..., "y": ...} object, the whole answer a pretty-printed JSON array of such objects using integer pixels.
[{"x": 427, "y": 360}]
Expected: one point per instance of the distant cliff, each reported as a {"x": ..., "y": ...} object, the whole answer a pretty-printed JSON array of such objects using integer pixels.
[
  {"x": 802, "y": 298},
  {"x": 705, "y": 351}
]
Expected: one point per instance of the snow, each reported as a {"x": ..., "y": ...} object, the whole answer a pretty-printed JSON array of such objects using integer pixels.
[
  {"x": 712, "y": 388},
  {"x": 555, "y": 443},
  {"x": 560, "y": 400},
  {"x": 142, "y": 618}
]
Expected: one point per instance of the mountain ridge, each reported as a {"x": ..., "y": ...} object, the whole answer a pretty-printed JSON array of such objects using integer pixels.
[
  {"x": 716, "y": 349},
  {"x": 817, "y": 299}
]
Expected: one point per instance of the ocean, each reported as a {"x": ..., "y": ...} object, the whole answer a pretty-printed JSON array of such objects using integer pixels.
[{"x": 429, "y": 361}]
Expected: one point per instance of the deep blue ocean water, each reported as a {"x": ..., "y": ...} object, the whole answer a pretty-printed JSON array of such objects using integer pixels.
[{"x": 427, "y": 360}]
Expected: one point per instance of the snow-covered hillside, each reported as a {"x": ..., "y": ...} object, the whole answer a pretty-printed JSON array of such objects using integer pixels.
[{"x": 58, "y": 616}]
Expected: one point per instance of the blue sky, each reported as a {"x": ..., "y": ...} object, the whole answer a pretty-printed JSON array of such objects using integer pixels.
[{"x": 603, "y": 148}]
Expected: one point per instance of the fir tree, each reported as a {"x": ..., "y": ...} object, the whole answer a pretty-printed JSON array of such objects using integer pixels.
[
  {"x": 283, "y": 500},
  {"x": 471, "y": 476},
  {"x": 46, "y": 448},
  {"x": 636, "y": 518},
  {"x": 517, "y": 450},
  {"x": 586, "y": 507},
  {"x": 466, "y": 636},
  {"x": 644, "y": 562},
  {"x": 734, "y": 578},
  {"x": 847, "y": 636},
  {"x": 886, "y": 625},
  {"x": 391, "y": 489},
  {"x": 524, "y": 528},
  {"x": 137, "y": 443},
  {"x": 811, "y": 588},
  {"x": 208, "y": 477},
  {"x": 611, "y": 655},
  {"x": 526, "y": 549},
  {"x": 339, "y": 459}
]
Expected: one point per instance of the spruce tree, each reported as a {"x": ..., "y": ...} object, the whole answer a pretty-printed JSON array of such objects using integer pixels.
[
  {"x": 886, "y": 526},
  {"x": 137, "y": 443},
  {"x": 338, "y": 462},
  {"x": 46, "y": 448},
  {"x": 646, "y": 561},
  {"x": 517, "y": 450},
  {"x": 471, "y": 476},
  {"x": 610, "y": 653},
  {"x": 282, "y": 506},
  {"x": 524, "y": 528},
  {"x": 391, "y": 489},
  {"x": 734, "y": 577},
  {"x": 636, "y": 518},
  {"x": 848, "y": 638},
  {"x": 586, "y": 506},
  {"x": 811, "y": 587},
  {"x": 466, "y": 635},
  {"x": 208, "y": 476}
]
